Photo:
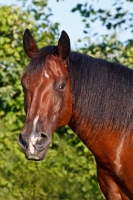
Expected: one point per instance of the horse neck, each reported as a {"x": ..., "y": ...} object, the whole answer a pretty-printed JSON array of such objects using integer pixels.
[
  {"x": 97, "y": 89},
  {"x": 82, "y": 128}
]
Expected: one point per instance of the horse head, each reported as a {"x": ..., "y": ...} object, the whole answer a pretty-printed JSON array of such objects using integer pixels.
[{"x": 47, "y": 95}]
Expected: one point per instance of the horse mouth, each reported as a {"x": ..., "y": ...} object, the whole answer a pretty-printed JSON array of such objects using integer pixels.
[
  {"x": 34, "y": 158},
  {"x": 37, "y": 156}
]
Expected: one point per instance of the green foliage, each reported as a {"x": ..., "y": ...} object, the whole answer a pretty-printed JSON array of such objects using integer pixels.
[{"x": 69, "y": 169}]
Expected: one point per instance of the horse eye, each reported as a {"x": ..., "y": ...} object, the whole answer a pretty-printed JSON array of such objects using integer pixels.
[{"x": 62, "y": 86}]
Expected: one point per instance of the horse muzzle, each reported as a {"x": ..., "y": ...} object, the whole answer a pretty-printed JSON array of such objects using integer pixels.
[{"x": 34, "y": 147}]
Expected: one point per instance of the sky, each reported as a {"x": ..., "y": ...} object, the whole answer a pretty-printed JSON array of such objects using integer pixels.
[{"x": 72, "y": 22}]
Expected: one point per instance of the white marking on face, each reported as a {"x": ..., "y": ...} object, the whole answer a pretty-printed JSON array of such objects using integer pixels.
[
  {"x": 118, "y": 157},
  {"x": 46, "y": 74},
  {"x": 33, "y": 139}
]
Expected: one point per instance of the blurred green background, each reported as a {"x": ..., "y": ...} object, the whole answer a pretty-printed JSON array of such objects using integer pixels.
[{"x": 68, "y": 172}]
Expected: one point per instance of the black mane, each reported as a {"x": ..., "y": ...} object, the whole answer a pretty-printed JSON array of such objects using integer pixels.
[{"x": 102, "y": 91}]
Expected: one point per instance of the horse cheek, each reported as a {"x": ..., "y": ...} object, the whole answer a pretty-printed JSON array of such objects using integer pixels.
[{"x": 66, "y": 111}]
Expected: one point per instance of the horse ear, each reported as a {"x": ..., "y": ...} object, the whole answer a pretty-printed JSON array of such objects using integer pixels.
[
  {"x": 64, "y": 46},
  {"x": 29, "y": 44}
]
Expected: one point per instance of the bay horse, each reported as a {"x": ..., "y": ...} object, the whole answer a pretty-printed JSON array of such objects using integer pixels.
[{"x": 93, "y": 96}]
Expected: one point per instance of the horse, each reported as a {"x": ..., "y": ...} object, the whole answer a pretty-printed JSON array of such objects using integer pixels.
[{"x": 93, "y": 96}]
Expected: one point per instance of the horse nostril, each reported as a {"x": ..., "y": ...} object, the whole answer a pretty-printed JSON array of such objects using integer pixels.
[
  {"x": 42, "y": 141},
  {"x": 22, "y": 141},
  {"x": 43, "y": 135}
]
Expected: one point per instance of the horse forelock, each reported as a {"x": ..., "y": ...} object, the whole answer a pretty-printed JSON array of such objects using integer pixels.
[{"x": 38, "y": 60}]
